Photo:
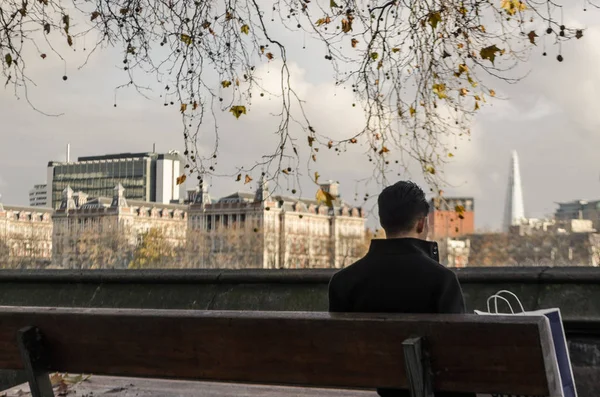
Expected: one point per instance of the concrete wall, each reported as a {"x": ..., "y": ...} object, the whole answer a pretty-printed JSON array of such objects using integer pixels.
[{"x": 576, "y": 291}]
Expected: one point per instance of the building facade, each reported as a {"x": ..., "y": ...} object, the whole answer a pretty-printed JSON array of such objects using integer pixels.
[
  {"x": 537, "y": 249},
  {"x": 268, "y": 231},
  {"x": 104, "y": 232},
  {"x": 25, "y": 237},
  {"x": 241, "y": 230},
  {"x": 38, "y": 196},
  {"x": 579, "y": 209},
  {"x": 454, "y": 252},
  {"x": 451, "y": 217},
  {"x": 149, "y": 177}
]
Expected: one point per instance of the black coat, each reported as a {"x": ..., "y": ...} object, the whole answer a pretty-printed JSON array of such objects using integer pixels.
[{"x": 397, "y": 276}]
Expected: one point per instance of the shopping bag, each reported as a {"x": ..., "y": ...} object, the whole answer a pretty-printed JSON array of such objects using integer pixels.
[{"x": 554, "y": 319}]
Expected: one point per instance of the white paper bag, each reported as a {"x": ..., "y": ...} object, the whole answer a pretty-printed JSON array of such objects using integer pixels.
[{"x": 557, "y": 331}]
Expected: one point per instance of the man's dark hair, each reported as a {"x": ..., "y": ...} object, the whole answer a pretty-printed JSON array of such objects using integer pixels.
[{"x": 401, "y": 205}]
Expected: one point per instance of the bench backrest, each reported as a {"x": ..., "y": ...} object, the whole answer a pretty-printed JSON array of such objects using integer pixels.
[{"x": 487, "y": 354}]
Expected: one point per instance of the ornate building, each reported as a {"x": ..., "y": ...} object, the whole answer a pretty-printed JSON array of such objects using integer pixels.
[
  {"x": 241, "y": 230},
  {"x": 25, "y": 236},
  {"x": 270, "y": 231},
  {"x": 101, "y": 232}
]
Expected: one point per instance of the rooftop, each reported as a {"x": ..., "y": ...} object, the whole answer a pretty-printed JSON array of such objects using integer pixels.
[
  {"x": 18, "y": 208},
  {"x": 116, "y": 156},
  {"x": 172, "y": 155},
  {"x": 105, "y": 202}
]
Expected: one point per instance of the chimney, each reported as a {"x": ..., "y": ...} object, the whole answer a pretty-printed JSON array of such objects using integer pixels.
[
  {"x": 332, "y": 188},
  {"x": 68, "y": 152}
]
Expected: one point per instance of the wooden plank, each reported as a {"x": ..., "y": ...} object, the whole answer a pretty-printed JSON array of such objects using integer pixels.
[
  {"x": 29, "y": 340},
  {"x": 138, "y": 387},
  {"x": 418, "y": 368},
  {"x": 487, "y": 354}
]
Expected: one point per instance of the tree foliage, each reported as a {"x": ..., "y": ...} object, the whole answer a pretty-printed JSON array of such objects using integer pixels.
[
  {"x": 152, "y": 251},
  {"x": 101, "y": 249},
  {"x": 417, "y": 69},
  {"x": 235, "y": 247}
]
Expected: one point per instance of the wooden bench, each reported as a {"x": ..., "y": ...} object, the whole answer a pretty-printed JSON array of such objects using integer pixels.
[{"x": 485, "y": 354}]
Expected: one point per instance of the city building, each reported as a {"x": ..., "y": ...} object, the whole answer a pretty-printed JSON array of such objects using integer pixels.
[
  {"x": 149, "y": 177},
  {"x": 454, "y": 252},
  {"x": 514, "y": 211},
  {"x": 579, "y": 209},
  {"x": 103, "y": 232},
  {"x": 38, "y": 196},
  {"x": 538, "y": 249},
  {"x": 451, "y": 217},
  {"x": 529, "y": 226},
  {"x": 271, "y": 231},
  {"x": 25, "y": 236}
]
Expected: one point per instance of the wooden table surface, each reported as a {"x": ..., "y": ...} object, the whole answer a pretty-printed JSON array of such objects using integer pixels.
[{"x": 136, "y": 387}]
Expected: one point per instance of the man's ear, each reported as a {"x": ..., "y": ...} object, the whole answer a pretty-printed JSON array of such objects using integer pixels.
[{"x": 420, "y": 225}]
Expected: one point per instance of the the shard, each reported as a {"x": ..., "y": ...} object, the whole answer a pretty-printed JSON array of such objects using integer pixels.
[{"x": 514, "y": 211}]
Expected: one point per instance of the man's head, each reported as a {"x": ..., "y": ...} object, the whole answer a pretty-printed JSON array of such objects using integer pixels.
[{"x": 403, "y": 210}]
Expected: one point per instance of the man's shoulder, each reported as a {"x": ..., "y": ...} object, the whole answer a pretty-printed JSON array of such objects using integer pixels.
[
  {"x": 434, "y": 267},
  {"x": 350, "y": 272}
]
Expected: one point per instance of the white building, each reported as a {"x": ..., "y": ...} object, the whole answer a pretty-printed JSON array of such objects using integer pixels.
[
  {"x": 268, "y": 231},
  {"x": 103, "y": 231},
  {"x": 25, "y": 236},
  {"x": 38, "y": 196},
  {"x": 514, "y": 212}
]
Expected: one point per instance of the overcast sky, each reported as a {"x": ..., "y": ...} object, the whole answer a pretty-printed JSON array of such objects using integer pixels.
[{"x": 552, "y": 119}]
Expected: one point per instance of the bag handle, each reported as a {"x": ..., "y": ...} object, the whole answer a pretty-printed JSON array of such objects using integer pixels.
[
  {"x": 498, "y": 295},
  {"x": 495, "y": 297}
]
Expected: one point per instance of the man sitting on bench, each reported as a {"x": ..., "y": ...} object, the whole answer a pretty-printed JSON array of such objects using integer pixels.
[{"x": 399, "y": 274}]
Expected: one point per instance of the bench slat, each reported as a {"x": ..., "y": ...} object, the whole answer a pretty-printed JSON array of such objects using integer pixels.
[{"x": 487, "y": 354}]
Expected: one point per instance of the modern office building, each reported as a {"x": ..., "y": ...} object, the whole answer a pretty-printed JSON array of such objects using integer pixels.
[
  {"x": 149, "y": 176},
  {"x": 38, "y": 196},
  {"x": 579, "y": 209}
]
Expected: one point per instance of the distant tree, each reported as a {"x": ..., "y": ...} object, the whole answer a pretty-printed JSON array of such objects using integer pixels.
[
  {"x": 153, "y": 251},
  {"x": 92, "y": 247},
  {"x": 232, "y": 247},
  {"x": 106, "y": 249},
  {"x": 351, "y": 248},
  {"x": 416, "y": 68},
  {"x": 536, "y": 249},
  {"x": 4, "y": 254}
]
